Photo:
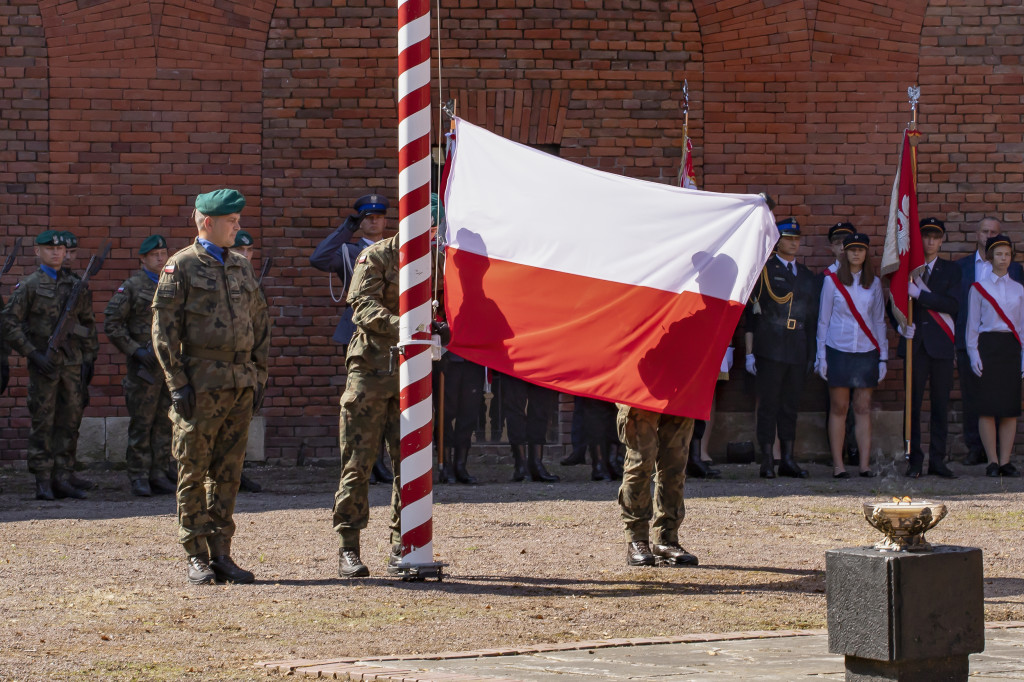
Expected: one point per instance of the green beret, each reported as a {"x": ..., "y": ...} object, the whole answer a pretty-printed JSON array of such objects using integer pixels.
[
  {"x": 243, "y": 238},
  {"x": 220, "y": 202},
  {"x": 153, "y": 241},
  {"x": 51, "y": 238},
  {"x": 70, "y": 240}
]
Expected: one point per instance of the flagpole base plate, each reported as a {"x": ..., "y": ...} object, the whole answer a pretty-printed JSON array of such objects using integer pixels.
[{"x": 418, "y": 572}]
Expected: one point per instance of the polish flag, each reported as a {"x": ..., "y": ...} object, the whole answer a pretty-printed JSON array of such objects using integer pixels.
[
  {"x": 591, "y": 283},
  {"x": 903, "y": 252}
]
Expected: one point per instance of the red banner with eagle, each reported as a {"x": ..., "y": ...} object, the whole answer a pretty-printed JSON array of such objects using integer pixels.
[{"x": 903, "y": 254}]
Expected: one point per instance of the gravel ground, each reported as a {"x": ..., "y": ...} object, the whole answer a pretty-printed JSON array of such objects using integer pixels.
[{"x": 96, "y": 588}]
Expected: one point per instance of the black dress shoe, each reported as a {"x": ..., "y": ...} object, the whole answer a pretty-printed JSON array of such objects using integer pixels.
[
  {"x": 639, "y": 554},
  {"x": 671, "y": 553},
  {"x": 382, "y": 473},
  {"x": 697, "y": 468},
  {"x": 992, "y": 470},
  {"x": 227, "y": 571},
  {"x": 841, "y": 474},
  {"x": 350, "y": 565},
  {"x": 913, "y": 471},
  {"x": 44, "y": 491},
  {"x": 940, "y": 469},
  {"x": 140, "y": 488},
  {"x": 198, "y": 570},
  {"x": 1009, "y": 470}
]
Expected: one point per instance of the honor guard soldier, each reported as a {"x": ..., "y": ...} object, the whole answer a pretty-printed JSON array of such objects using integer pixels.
[
  {"x": 782, "y": 320},
  {"x": 657, "y": 447},
  {"x": 211, "y": 335},
  {"x": 935, "y": 293},
  {"x": 337, "y": 254},
  {"x": 128, "y": 323},
  {"x": 54, "y": 376}
]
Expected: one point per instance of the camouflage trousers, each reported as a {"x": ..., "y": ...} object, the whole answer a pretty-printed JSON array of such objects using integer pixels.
[
  {"x": 369, "y": 413},
  {"x": 52, "y": 441},
  {"x": 657, "y": 447},
  {"x": 210, "y": 445},
  {"x": 149, "y": 427}
]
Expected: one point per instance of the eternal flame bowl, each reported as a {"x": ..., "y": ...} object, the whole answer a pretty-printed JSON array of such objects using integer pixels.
[{"x": 904, "y": 521}]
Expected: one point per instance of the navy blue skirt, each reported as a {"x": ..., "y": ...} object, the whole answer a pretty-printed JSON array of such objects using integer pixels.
[
  {"x": 998, "y": 393},
  {"x": 851, "y": 370}
]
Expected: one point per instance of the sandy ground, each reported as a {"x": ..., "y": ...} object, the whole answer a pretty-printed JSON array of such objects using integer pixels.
[{"x": 96, "y": 588}]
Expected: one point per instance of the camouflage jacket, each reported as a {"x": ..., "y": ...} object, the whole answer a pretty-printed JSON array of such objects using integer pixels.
[
  {"x": 210, "y": 323},
  {"x": 128, "y": 318},
  {"x": 373, "y": 295},
  {"x": 31, "y": 315}
]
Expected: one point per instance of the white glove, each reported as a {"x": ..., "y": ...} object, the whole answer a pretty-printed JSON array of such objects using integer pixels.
[
  {"x": 908, "y": 332},
  {"x": 821, "y": 367},
  {"x": 751, "y": 364},
  {"x": 913, "y": 289},
  {"x": 881, "y": 372},
  {"x": 976, "y": 364}
]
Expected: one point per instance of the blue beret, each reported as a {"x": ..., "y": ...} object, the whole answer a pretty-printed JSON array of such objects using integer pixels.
[
  {"x": 153, "y": 241},
  {"x": 220, "y": 202},
  {"x": 788, "y": 227},
  {"x": 998, "y": 240},
  {"x": 70, "y": 240},
  {"x": 243, "y": 238},
  {"x": 372, "y": 204},
  {"x": 51, "y": 238},
  {"x": 859, "y": 239}
]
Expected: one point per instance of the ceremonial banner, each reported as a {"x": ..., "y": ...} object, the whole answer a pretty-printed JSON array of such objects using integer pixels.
[
  {"x": 903, "y": 254},
  {"x": 592, "y": 283},
  {"x": 687, "y": 178}
]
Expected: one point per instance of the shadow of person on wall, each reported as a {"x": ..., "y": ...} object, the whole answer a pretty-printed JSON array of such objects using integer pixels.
[{"x": 477, "y": 322}]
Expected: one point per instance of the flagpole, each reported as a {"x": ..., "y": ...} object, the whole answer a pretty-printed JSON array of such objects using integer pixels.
[{"x": 913, "y": 93}]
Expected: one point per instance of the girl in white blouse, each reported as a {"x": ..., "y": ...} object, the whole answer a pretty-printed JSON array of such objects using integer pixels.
[
  {"x": 852, "y": 348},
  {"x": 995, "y": 323}
]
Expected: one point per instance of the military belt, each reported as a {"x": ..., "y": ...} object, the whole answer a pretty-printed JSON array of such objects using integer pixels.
[
  {"x": 239, "y": 357},
  {"x": 787, "y": 323}
]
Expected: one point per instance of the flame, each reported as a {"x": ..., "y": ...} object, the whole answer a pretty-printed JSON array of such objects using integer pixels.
[{"x": 900, "y": 500}]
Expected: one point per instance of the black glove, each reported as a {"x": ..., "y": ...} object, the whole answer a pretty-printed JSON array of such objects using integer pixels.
[
  {"x": 42, "y": 363},
  {"x": 257, "y": 398},
  {"x": 147, "y": 358},
  {"x": 5, "y": 377},
  {"x": 443, "y": 330},
  {"x": 184, "y": 401}
]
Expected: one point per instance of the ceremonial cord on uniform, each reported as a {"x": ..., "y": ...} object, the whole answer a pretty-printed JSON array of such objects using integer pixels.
[{"x": 780, "y": 300}]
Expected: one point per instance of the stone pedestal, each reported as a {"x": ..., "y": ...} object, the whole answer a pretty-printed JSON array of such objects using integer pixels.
[{"x": 911, "y": 617}]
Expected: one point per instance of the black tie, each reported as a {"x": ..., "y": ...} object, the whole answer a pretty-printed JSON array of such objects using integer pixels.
[
  {"x": 927, "y": 274},
  {"x": 792, "y": 268}
]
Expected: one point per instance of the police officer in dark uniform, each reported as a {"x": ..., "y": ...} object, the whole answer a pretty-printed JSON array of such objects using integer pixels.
[
  {"x": 337, "y": 254},
  {"x": 783, "y": 319}
]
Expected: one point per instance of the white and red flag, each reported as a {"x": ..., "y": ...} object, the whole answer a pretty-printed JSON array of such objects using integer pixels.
[
  {"x": 903, "y": 254},
  {"x": 592, "y": 283}
]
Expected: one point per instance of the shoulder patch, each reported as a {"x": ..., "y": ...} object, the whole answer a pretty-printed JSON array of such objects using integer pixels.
[
  {"x": 120, "y": 289},
  {"x": 169, "y": 269},
  {"x": 17, "y": 285},
  {"x": 362, "y": 258}
]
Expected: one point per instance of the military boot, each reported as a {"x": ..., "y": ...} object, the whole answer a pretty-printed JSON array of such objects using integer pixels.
[
  {"x": 394, "y": 560},
  {"x": 44, "y": 490},
  {"x": 518, "y": 463},
  {"x": 198, "y": 570},
  {"x": 80, "y": 483},
  {"x": 671, "y": 554},
  {"x": 535, "y": 464},
  {"x": 62, "y": 487},
  {"x": 350, "y": 565},
  {"x": 695, "y": 466},
  {"x": 461, "y": 475},
  {"x": 616, "y": 460},
  {"x": 639, "y": 554},
  {"x": 599, "y": 463},
  {"x": 767, "y": 461},
  {"x": 159, "y": 484},
  {"x": 249, "y": 485},
  {"x": 227, "y": 571},
  {"x": 577, "y": 456},
  {"x": 140, "y": 488},
  {"x": 788, "y": 465},
  {"x": 446, "y": 470}
]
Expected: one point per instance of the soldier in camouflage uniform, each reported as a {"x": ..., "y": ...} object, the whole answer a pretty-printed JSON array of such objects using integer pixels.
[
  {"x": 128, "y": 322},
  {"x": 211, "y": 334},
  {"x": 657, "y": 445},
  {"x": 54, "y": 380}
]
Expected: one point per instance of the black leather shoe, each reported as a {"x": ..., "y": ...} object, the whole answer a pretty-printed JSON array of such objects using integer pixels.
[
  {"x": 913, "y": 471},
  {"x": 350, "y": 565},
  {"x": 518, "y": 463},
  {"x": 159, "y": 484},
  {"x": 62, "y": 488},
  {"x": 639, "y": 554},
  {"x": 198, "y": 570},
  {"x": 227, "y": 571},
  {"x": 381, "y": 472},
  {"x": 140, "y": 488},
  {"x": 940, "y": 469},
  {"x": 80, "y": 483},
  {"x": 974, "y": 457},
  {"x": 535, "y": 464},
  {"x": 44, "y": 491},
  {"x": 394, "y": 559},
  {"x": 577, "y": 456},
  {"x": 462, "y": 474},
  {"x": 787, "y": 464},
  {"x": 695, "y": 468},
  {"x": 248, "y": 485},
  {"x": 615, "y": 462},
  {"x": 841, "y": 474},
  {"x": 672, "y": 553},
  {"x": 992, "y": 470},
  {"x": 1009, "y": 470}
]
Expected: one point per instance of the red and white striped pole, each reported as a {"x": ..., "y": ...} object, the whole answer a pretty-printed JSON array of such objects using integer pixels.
[{"x": 415, "y": 364}]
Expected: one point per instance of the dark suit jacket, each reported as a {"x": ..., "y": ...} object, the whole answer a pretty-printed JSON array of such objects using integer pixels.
[
  {"x": 944, "y": 297},
  {"x": 966, "y": 281}
]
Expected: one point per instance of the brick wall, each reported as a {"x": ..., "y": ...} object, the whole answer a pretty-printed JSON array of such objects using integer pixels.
[{"x": 115, "y": 113}]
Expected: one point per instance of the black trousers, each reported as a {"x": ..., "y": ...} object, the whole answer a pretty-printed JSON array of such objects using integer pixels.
[
  {"x": 779, "y": 386},
  {"x": 939, "y": 374},
  {"x": 598, "y": 421},
  {"x": 463, "y": 393},
  {"x": 968, "y": 394},
  {"x": 527, "y": 409}
]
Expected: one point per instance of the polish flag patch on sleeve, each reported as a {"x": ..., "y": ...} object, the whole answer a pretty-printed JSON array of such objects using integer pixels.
[
  {"x": 169, "y": 269},
  {"x": 362, "y": 258},
  {"x": 120, "y": 289}
]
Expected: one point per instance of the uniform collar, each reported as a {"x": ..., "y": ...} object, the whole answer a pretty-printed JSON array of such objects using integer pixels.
[
  {"x": 994, "y": 278},
  {"x": 50, "y": 272},
  {"x": 152, "y": 275},
  {"x": 218, "y": 252}
]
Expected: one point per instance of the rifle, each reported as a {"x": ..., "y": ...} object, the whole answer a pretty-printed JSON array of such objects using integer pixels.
[
  {"x": 67, "y": 321},
  {"x": 268, "y": 262},
  {"x": 11, "y": 257}
]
